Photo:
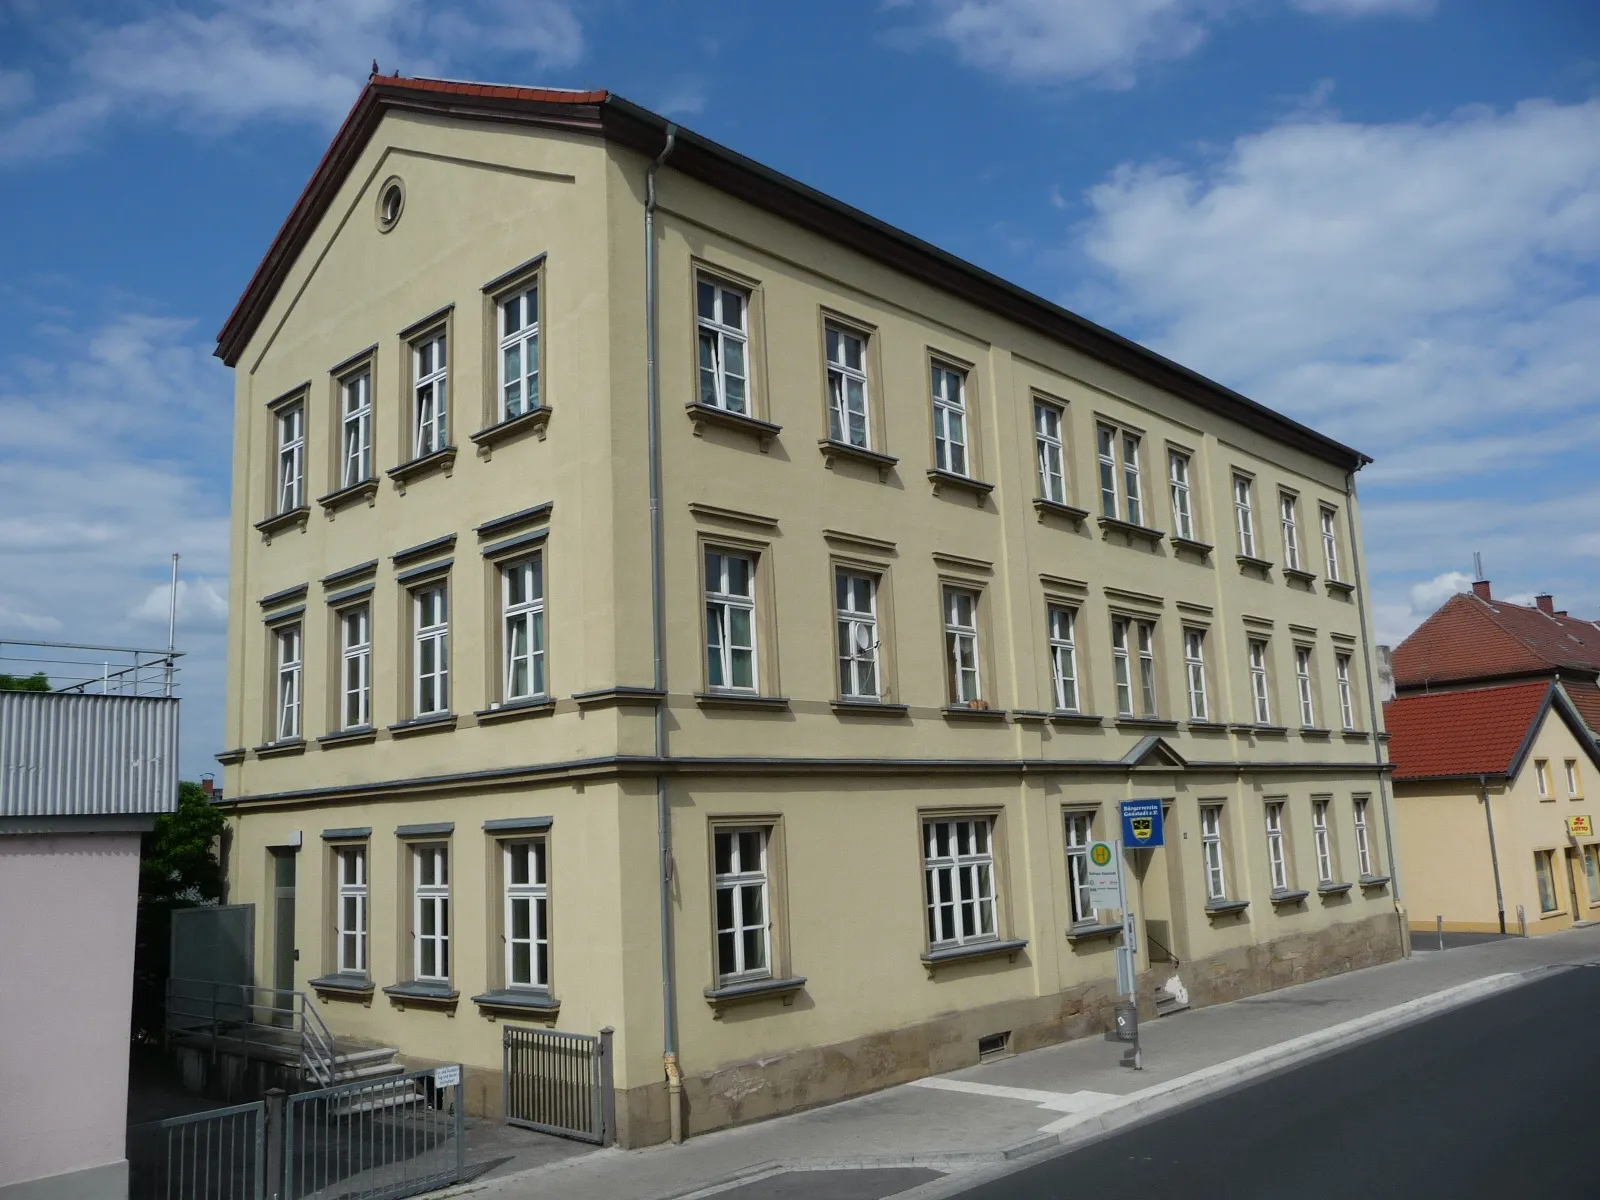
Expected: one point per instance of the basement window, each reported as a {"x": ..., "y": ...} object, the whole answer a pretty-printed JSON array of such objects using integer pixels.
[{"x": 994, "y": 1045}]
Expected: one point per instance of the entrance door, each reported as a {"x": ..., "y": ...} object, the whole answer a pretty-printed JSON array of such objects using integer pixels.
[
  {"x": 1572, "y": 883},
  {"x": 283, "y": 952}
]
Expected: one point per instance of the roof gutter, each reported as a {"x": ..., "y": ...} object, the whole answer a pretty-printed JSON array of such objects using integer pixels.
[{"x": 1494, "y": 854}]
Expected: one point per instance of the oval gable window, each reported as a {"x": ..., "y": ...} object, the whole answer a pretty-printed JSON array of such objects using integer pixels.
[{"x": 391, "y": 203}]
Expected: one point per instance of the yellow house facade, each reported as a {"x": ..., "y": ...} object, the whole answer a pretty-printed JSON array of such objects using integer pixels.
[{"x": 667, "y": 600}]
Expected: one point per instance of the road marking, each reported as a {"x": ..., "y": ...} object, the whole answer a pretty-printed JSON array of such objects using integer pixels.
[{"x": 1063, "y": 1102}]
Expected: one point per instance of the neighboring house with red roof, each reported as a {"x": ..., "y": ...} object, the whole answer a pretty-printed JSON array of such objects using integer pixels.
[{"x": 1493, "y": 788}]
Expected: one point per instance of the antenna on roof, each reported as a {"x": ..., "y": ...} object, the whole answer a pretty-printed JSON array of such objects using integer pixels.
[
  {"x": 375, "y": 70},
  {"x": 1477, "y": 565}
]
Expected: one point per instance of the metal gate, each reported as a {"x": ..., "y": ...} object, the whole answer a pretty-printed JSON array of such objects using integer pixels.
[
  {"x": 214, "y": 1155},
  {"x": 560, "y": 1083}
]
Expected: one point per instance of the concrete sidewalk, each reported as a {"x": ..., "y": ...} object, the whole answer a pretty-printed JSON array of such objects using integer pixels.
[{"x": 935, "y": 1136}]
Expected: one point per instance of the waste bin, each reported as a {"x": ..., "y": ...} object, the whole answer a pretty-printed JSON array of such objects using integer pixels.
[{"x": 1127, "y": 1021}]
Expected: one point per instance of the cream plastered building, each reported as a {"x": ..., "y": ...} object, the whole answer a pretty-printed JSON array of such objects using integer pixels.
[
  {"x": 946, "y": 573},
  {"x": 1495, "y": 809}
]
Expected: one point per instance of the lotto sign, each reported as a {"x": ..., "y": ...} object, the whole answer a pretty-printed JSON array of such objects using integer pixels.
[
  {"x": 1102, "y": 872},
  {"x": 1141, "y": 824},
  {"x": 1580, "y": 826}
]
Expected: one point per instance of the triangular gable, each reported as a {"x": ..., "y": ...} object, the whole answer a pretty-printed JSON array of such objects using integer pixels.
[
  {"x": 1559, "y": 702},
  {"x": 1153, "y": 752}
]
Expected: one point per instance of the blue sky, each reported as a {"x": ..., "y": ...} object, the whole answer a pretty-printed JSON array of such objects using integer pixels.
[{"x": 1380, "y": 216}]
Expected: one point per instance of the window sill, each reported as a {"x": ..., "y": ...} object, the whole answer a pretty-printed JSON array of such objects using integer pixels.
[
  {"x": 1337, "y": 888},
  {"x": 1339, "y": 587},
  {"x": 1261, "y": 730},
  {"x": 754, "y": 989},
  {"x": 961, "y": 712},
  {"x": 366, "y": 490},
  {"x": 1253, "y": 563},
  {"x": 1203, "y": 549},
  {"x": 417, "y": 992},
  {"x": 533, "y": 421},
  {"x": 432, "y": 723},
  {"x": 706, "y": 414},
  {"x": 1292, "y": 896},
  {"x": 1207, "y": 727},
  {"x": 832, "y": 450},
  {"x": 1029, "y": 716},
  {"x": 343, "y": 984},
  {"x": 283, "y": 522},
  {"x": 409, "y": 472},
  {"x": 871, "y": 708},
  {"x": 619, "y": 697},
  {"x": 1092, "y": 932},
  {"x": 229, "y": 757},
  {"x": 1063, "y": 717},
  {"x": 1145, "y": 723},
  {"x": 281, "y": 749},
  {"x": 1355, "y": 735},
  {"x": 1316, "y": 734},
  {"x": 1226, "y": 908},
  {"x": 1374, "y": 881},
  {"x": 1295, "y": 573},
  {"x": 964, "y": 483},
  {"x": 511, "y": 710},
  {"x": 1131, "y": 531},
  {"x": 1054, "y": 508},
  {"x": 738, "y": 700},
  {"x": 348, "y": 737},
  {"x": 530, "y": 1000},
  {"x": 935, "y": 959}
]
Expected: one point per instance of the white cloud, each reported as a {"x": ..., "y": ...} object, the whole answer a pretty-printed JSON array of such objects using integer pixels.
[
  {"x": 202, "y": 604},
  {"x": 686, "y": 97},
  {"x": 27, "y": 622},
  {"x": 213, "y": 64},
  {"x": 1427, "y": 596},
  {"x": 1366, "y": 8}
]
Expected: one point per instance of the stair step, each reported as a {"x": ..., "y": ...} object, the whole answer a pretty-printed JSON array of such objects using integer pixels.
[
  {"x": 1165, "y": 1008},
  {"x": 372, "y": 1071},
  {"x": 388, "y": 1100},
  {"x": 353, "y": 1057}
]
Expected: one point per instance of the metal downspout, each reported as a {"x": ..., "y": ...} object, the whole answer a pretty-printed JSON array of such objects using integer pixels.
[
  {"x": 1375, "y": 717},
  {"x": 669, "y": 988},
  {"x": 1494, "y": 853}
]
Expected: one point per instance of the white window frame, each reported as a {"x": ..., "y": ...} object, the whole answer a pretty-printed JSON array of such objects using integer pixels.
[
  {"x": 350, "y": 917},
  {"x": 355, "y": 666},
  {"x": 1133, "y": 492},
  {"x": 355, "y": 428},
  {"x": 1079, "y": 836},
  {"x": 1051, "y": 451},
  {"x": 1574, "y": 786},
  {"x": 738, "y": 930},
  {"x": 841, "y": 374},
  {"x": 522, "y": 629},
  {"x": 1591, "y": 871},
  {"x": 1544, "y": 872},
  {"x": 519, "y": 352},
  {"x": 723, "y": 606},
  {"x": 1363, "y": 838},
  {"x": 1289, "y": 515},
  {"x": 1105, "y": 440},
  {"x": 1244, "y": 514},
  {"x": 722, "y": 346},
  {"x": 430, "y": 607},
  {"x": 1347, "y": 707},
  {"x": 1061, "y": 630},
  {"x": 1212, "y": 852},
  {"x": 1194, "y": 662},
  {"x": 1260, "y": 683},
  {"x": 960, "y": 890},
  {"x": 1121, "y": 665},
  {"x": 961, "y": 645},
  {"x": 1182, "y": 499},
  {"x": 856, "y": 634},
  {"x": 949, "y": 395},
  {"x": 430, "y": 906},
  {"x": 289, "y": 645},
  {"x": 290, "y": 476},
  {"x": 1305, "y": 688},
  {"x": 1277, "y": 856},
  {"x": 1322, "y": 839},
  {"x": 1149, "y": 700},
  {"x": 430, "y": 387},
  {"x": 534, "y": 892},
  {"x": 1541, "y": 775},
  {"x": 1330, "y": 540}
]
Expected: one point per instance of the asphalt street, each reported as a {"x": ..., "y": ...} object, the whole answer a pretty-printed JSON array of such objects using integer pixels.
[{"x": 1491, "y": 1099}]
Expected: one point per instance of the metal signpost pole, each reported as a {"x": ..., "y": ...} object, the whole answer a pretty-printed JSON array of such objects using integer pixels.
[{"x": 1127, "y": 952}]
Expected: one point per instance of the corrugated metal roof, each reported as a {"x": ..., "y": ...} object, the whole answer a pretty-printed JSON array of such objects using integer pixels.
[{"x": 67, "y": 754}]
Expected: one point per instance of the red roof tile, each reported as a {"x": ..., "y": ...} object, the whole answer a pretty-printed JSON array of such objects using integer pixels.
[
  {"x": 495, "y": 91},
  {"x": 1471, "y": 638},
  {"x": 1476, "y": 732},
  {"x": 1585, "y": 698}
]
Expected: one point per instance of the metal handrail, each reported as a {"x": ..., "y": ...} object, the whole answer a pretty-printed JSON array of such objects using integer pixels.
[{"x": 317, "y": 1051}]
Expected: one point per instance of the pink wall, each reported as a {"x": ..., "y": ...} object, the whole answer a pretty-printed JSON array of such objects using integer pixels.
[{"x": 67, "y": 908}]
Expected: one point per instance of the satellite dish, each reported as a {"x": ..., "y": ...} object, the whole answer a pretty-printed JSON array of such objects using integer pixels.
[{"x": 863, "y": 638}]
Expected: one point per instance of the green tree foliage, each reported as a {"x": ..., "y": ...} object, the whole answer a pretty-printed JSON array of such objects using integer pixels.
[
  {"x": 37, "y": 682},
  {"x": 178, "y": 861}
]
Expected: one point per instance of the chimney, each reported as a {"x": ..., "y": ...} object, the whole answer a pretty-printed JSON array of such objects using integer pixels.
[
  {"x": 1546, "y": 603},
  {"x": 205, "y": 786},
  {"x": 1480, "y": 589}
]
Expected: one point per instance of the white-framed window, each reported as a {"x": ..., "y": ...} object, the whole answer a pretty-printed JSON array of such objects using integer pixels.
[
  {"x": 1211, "y": 850},
  {"x": 1347, "y": 707},
  {"x": 1194, "y": 662},
  {"x": 744, "y": 913},
  {"x": 1244, "y": 515},
  {"x": 1260, "y": 696},
  {"x": 1063, "y": 657},
  {"x": 1330, "y": 542},
  {"x": 291, "y": 473},
  {"x": 355, "y": 429},
  {"x": 1277, "y": 859},
  {"x": 355, "y": 667},
  {"x": 1544, "y": 868},
  {"x": 1080, "y": 832},
  {"x": 522, "y": 600},
  {"x": 431, "y": 651},
  {"x": 1289, "y": 512},
  {"x": 1303, "y": 686},
  {"x": 527, "y": 914},
  {"x": 958, "y": 865},
  {"x": 430, "y": 395},
  {"x": 1147, "y": 668},
  {"x": 856, "y": 615},
  {"x": 1574, "y": 785},
  {"x": 1363, "y": 841},
  {"x": 730, "y": 621},
  {"x": 1591, "y": 871},
  {"x": 1105, "y": 439},
  {"x": 949, "y": 419},
  {"x": 961, "y": 644},
  {"x": 1119, "y": 482},
  {"x": 1182, "y": 507},
  {"x": 1541, "y": 775},
  {"x": 1051, "y": 451},
  {"x": 848, "y": 420},
  {"x": 430, "y": 914},
  {"x": 519, "y": 353},
  {"x": 1134, "y": 640},
  {"x": 1321, "y": 838},
  {"x": 1133, "y": 496},
  {"x": 288, "y": 645},
  {"x": 351, "y": 926},
  {"x": 1121, "y": 667},
  {"x": 721, "y": 315}
]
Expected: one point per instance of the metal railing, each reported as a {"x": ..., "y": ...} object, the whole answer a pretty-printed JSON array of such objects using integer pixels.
[
  {"x": 215, "y": 1155},
  {"x": 559, "y": 1082},
  {"x": 373, "y": 1139},
  {"x": 102, "y": 670},
  {"x": 261, "y": 1016}
]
